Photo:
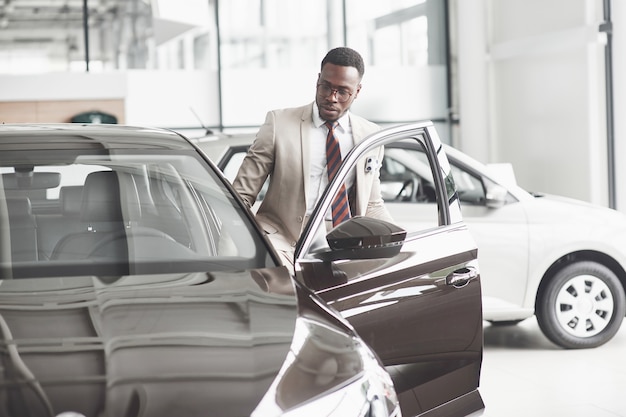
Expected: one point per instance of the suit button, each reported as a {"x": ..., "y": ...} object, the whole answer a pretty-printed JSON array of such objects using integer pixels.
[
  {"x": 300, "y": 219},
  {"x": 293, "y": 244}
]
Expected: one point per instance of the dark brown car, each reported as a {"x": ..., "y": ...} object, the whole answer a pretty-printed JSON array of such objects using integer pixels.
[{"x": 136, "y": 283}]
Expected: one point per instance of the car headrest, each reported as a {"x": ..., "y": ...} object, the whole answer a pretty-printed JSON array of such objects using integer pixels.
[
  {"x": 101, "y": 199},
  {"x": 71, "y": 200},
  {"x": 19, "y": 206}
]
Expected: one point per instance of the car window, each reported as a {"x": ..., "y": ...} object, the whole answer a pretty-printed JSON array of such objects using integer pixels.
[
  {"x": 405, "y": 177},
  {"x": 470, "y": 187},
  {"x": 124, "y": 212},
  {"x": 231, "y": 164},
  {"x": 408, "y": 188},
  {"x": 402, "y": 174}
]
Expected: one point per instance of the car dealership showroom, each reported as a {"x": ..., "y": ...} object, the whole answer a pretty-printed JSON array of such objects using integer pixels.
[{"x": 147, "y": 214}]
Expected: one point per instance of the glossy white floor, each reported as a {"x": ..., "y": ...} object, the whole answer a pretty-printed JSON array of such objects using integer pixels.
[{"x": 524, "y": 375}]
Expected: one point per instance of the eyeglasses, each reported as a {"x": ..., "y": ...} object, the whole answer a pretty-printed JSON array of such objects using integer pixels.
[{"x": 325, "y": 90}]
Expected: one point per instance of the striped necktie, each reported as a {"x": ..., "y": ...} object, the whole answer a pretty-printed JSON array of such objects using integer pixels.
[{"x": 340, "y": 206}]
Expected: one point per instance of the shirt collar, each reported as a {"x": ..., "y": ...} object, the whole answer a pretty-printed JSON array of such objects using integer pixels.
[{"x": 344, "y": 121}]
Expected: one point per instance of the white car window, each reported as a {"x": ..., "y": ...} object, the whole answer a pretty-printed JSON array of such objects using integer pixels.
[{"x": 231, "y": 168}]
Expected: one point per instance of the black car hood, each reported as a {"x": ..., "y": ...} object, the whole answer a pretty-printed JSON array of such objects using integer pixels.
[{"x": 154, "y": 345}]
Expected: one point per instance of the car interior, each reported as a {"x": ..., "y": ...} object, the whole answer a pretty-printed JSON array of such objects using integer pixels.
[{"x": 120, "y": 218}]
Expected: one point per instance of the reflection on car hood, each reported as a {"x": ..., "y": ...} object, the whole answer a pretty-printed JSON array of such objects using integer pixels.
[{"x": 168, "y": 345}]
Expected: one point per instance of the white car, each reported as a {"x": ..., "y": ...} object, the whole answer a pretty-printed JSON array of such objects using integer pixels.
[{"x": 560, "y": 259}]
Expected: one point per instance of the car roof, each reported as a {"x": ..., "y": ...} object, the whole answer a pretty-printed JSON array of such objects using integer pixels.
[
  {"x": 216, "y": 145},
  {"x": 75, "y": 135},
  {"x": 459, "y": 157}
]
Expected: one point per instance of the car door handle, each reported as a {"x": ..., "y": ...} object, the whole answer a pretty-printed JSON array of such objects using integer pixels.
[{"x": 461, "y": 277}]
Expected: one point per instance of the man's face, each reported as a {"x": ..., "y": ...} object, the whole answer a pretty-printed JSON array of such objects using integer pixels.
[{"x": 334, "y": 84}]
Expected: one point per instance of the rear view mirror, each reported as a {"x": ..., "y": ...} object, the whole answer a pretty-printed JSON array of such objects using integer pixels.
[
  {"x": 30, "y": 180},
  {"x": 365, "y": 238}
]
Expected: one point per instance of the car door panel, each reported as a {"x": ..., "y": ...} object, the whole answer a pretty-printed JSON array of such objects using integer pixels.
[
  {"x": 419, "y": 308},
  {"x": 507, "y": 264},
  {"x": 423, "y": 328}
]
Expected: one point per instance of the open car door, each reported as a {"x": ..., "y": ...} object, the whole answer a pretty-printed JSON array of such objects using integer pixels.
[{"x": 413, "y": 295}]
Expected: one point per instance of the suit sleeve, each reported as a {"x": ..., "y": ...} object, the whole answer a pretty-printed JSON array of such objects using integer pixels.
[
  {"x": 257, "y": 164},
  {"x": 376, "y": 206}
]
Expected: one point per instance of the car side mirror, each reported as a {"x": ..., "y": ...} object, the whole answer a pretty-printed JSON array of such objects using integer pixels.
[
  {"x": 496, "y": 196},
  {"x": 364, "y": 238}
]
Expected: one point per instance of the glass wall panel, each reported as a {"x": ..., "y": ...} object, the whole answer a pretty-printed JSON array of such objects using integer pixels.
[
  {"x": 404, "y": 44},
  {"x": 251, "y": 55},
  {"x": 272, "y": 33},
  {"x": 270, "y": 56},
  {"x": 49, "y": 36}
]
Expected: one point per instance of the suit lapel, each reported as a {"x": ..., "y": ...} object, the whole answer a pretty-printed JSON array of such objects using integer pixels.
[
  {"x": 305, "y": 145},
  {"x": 358, "y": 131}
]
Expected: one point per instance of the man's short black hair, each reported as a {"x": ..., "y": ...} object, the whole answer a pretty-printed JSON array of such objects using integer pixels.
[{"x": 346, "y": 57}]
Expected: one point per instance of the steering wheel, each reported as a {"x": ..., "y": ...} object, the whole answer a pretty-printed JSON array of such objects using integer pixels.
[
  {"x": 409, "y": 190},
  {"x": 107, "y": 246}
]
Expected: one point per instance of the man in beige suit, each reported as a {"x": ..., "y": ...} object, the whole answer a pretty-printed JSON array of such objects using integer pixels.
[{"x": 290, "y": 148}]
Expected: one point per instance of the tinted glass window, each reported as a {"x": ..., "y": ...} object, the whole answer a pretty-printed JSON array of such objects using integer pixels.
[
  {"x": 469, "y": 187},
  {"x": 408, "y": 187},
  {"x": 406, "y": 178},
  {"x": 122, "y": 213}
]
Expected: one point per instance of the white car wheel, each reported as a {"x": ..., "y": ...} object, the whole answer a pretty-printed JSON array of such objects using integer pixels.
[{"x": 582, "y": 306}]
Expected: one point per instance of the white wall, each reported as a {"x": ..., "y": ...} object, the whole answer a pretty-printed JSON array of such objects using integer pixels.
[
  {"x": 170, "y": 98},
  {"x": 62, "y": 86},
  {"x": 162, "y": 99},
  {"x": 473, "y": 79},
  {"x": 544, "y": 96}
]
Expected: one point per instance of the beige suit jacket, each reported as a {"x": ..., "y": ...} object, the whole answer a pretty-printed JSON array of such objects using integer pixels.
[{"x": 281, "y": 151}]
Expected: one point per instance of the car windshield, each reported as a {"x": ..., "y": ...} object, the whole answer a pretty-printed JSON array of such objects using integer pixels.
[{"x": 119, "y": 212}]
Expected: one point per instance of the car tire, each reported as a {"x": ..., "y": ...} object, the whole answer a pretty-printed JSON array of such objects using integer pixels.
[{"x": 581, "y": 306}]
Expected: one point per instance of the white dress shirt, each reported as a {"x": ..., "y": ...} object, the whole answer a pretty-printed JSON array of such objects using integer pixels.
[{"x": 318, "y": 179}]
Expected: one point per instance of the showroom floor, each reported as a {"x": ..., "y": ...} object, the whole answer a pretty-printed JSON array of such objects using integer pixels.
[{"x": 524, "y": 374}]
